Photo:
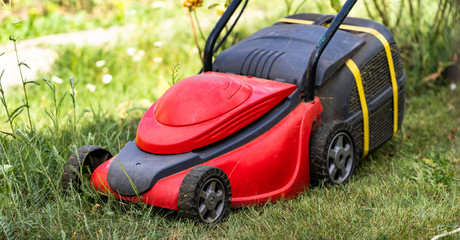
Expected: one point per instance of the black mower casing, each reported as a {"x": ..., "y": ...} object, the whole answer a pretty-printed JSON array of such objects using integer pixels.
[{"x": 281, "y": 53}]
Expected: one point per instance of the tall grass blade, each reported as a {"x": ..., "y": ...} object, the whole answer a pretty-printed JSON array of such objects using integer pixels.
[{"x": 6, "y": 229}]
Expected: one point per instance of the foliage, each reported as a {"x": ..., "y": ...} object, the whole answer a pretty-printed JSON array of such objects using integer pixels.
[
  {"x": 428, "y": 33},
  {"x": 61, "y": 16}
]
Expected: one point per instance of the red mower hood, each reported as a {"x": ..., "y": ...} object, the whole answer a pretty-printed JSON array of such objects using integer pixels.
[{"x": 205, "y": 108}]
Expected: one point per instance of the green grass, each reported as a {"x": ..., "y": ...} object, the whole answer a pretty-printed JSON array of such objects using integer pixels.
[{"x": 408, "y": 189}]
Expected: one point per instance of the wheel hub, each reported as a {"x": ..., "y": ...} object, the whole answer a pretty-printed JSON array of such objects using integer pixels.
[
  {"x": 340, "y": 158},
  {"x": 211, "y": 201},
  {"x": 340, "y": 155}
]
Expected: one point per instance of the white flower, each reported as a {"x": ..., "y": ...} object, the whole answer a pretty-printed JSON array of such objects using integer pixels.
[
  {"x": 158, "y": 44},
  {"x": 56, "y": 80},
  {"x": 453, "y": 86},
  {"x": 131, "y": 51},
  {"x": 158, "y": 4},
  {"x": 137, "y": 58},
  {"x": 107, "y": 78},
  {"x": 132, "y": 12},
  {"x": 100, "y": 63},
  {"x": 158, "y": 59},
  {"x": 91, "y": 87}
]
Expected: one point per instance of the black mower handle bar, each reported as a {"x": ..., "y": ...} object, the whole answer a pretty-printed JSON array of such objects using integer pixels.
[
  {"x": 308, "y": 83},
  {"x": 310, "y": 73},
  {"x": 209, "y": 47}
]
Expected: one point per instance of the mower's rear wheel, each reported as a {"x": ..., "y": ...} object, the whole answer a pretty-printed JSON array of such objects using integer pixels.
[
  {"x": 205, "y": 195},
  {"x": 87, "y": 159},
  {"x": 333, "y": 156}
]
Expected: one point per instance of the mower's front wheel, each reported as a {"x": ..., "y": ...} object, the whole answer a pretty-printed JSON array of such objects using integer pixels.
[
  {"x": 87, "y": 159},
  {"x": 333, "y": 156},
  {"x": 205, "y": 195}
]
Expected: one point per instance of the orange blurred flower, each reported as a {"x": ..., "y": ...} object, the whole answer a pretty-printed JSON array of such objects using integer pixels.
[{"x": 192, "y": 4}]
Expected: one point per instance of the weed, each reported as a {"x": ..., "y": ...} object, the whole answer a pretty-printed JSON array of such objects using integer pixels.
[
  {"x": 26, "y": 105},
  {"x": 10, "y": 117},
  {"x": 175, "y": 74},
  {"x": 73, "y": 83},
  {"x": 57, "y": 105},
  {"x": 192, "y": 22},
  {"x": 435, "y": 169}
]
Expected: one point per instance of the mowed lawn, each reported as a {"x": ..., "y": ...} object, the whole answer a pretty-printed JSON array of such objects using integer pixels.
[{"x": 408, "y": 189}]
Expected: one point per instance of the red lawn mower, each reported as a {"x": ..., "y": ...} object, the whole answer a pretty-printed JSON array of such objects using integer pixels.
[{"x": 295, "y": 104}]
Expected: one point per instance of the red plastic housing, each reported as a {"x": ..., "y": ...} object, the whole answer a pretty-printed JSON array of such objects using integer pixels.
[
  {"x": 273, "y": 166},
  {"x": 205, "y": 108}
]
